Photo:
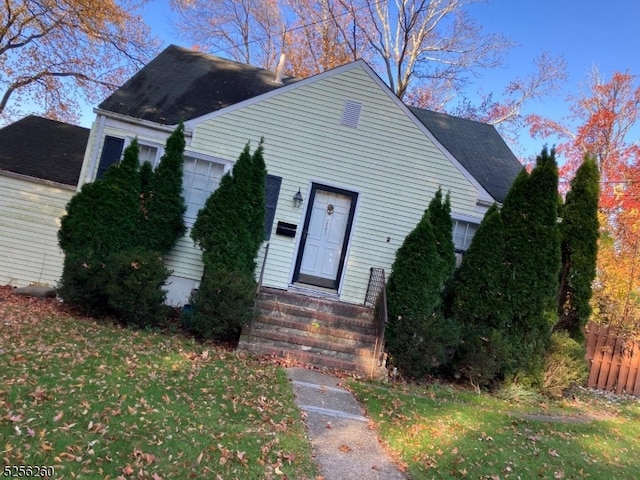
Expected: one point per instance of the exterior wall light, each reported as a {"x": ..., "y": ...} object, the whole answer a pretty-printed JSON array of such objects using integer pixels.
[{"x": 297, "y": 199}]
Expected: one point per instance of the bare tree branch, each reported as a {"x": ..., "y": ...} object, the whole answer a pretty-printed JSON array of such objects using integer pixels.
[{"x": 69, "y": 47}]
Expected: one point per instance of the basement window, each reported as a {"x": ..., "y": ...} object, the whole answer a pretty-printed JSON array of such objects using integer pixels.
[{"x": 351, "y": 113}]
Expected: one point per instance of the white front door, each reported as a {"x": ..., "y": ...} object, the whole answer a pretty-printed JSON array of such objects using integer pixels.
[{"x": 325, "y": 237}]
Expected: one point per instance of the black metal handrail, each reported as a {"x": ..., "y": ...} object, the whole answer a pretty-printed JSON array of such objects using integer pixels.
[
  {"x": 264, "y": 262},
  {"x": 258, "y": 289},
  {"x": 377, "y": 297}
]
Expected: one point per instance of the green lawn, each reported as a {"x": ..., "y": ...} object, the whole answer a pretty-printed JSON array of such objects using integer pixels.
[
  {"x": 99, "y": 401},
  {"x": 439, "y": 432}
]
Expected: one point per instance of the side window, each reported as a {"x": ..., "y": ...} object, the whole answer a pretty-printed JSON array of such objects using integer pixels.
[
  {"x": 111, "y": 153},
  {"x": 201, "y": 178},
  {"x": 149, "y": 154},
  {"x": 463, "y": 233},
  {"x": 272, "y": 190}
]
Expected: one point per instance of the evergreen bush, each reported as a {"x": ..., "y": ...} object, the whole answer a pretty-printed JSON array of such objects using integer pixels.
[
  {"x": 478, "y": 304},
  {"x": 440, "y": 218},
  {"x": 162, "y": 223},
  {"x": 579, "y": 232},
  {"x": 532, "y": 254},
  {"x": 565, "y": 364},
  {"x": 101, "y": 219},
  {"x": 223, "y": 304},
  {"x": 82, "y": 283},
  {"x": 483, "y": 355},
  {"x": 418, "y": 337},
  {"x": 229, "y": 230},
  {"x": 134, "y": 281},
  {"x": 128, "y": 218}
]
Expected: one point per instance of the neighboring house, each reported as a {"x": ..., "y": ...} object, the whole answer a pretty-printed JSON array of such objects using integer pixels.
[
  {"x": 364, "y": 164},
  {"x": 40, "y": 162}
]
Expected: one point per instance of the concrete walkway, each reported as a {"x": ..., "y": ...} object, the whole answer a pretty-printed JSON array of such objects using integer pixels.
[{"x": 344, "y": 445}]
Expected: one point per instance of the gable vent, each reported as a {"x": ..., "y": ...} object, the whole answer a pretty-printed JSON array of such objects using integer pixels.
[{"x": 351, "y": 113}]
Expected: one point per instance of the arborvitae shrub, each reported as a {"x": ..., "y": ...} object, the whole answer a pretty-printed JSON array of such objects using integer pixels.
[
  {"x": 483, "y": 354},
  {"x": 101, "y": 219},
  {"x": 532, "y": 254},
  {"x": 222, "y": 304},
  {"x": 230, "y": 230},
  {"x": 478, "y": 304},
  {"x": 82, "y": 283},
  {"x": 133, "y": 283},
  {"x": 479, "y": 283},
  {"x": 440, "y": 216},
  {"x": 128, "y": 218},
  {"x": 419, "y": 338},
  {"x": 579, "y": 231},
  {"x": 565, "y": 364},
  {"x": 163, "y": 210}
]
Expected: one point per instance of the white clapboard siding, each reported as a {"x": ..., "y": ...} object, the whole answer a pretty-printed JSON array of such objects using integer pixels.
[
  {"x": 387, "y": 159},
  {"x": 185, "y": 260},
  {"x": 30, "y": 214}
]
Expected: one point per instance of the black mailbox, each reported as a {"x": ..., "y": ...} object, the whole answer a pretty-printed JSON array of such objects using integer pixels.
[{"x": 286, "y": 229}]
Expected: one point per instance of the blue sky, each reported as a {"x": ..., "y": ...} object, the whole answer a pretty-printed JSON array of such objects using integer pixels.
[{"x": 587, "y": 33}]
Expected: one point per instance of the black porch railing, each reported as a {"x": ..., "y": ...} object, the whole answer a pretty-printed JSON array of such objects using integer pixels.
[
  {"x": 376, "y": 297},
  {"x": 258, "y": 289},
  {"x": 264, "y": 262}
]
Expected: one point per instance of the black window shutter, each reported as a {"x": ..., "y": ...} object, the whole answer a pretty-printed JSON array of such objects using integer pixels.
[
  {"x": 111, "y": 153},
  {"x": 271, "y": 192}
]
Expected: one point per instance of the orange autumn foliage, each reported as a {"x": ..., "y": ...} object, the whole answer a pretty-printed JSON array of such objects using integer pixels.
[
  {"x": 606, "y": 117},
  {"x": 53, "y": 52}
]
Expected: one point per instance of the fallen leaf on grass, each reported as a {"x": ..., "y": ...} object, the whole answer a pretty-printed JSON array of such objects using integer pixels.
[
  {"x": 558, "y": 475},
  {"x": 553, "y": 453},
  {"x": 58, "y": 416}
]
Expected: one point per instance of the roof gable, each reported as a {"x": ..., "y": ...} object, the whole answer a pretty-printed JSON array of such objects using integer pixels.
[
  {"x": 478, "y": 147},
  {"x": 184, "y": 85},
  {"x": 181, "y": 84},
  {"x": 56, "y": 156}
]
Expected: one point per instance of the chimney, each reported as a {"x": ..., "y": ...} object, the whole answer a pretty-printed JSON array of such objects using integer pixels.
[{"x": 280, "y": 69}]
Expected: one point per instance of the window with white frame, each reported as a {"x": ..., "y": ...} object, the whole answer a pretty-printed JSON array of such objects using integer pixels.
[
  {"x": 201, "y": 178},
  {"x": 148, "y": 153},
  {"x": 463, "y": 233}
]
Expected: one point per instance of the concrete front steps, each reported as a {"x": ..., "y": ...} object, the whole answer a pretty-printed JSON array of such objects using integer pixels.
[{"x": 317, "y": 331}]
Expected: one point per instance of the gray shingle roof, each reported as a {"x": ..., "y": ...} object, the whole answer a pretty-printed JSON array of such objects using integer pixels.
[
  {"x": 44, "y": 149},
  {"x": 180, "y": 84},
  {"x": 478, "y": 147}
]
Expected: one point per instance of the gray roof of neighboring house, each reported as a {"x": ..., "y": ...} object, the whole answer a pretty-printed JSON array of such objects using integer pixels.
[
  {"x": 181, "y": 84},
  {"x": 478, "y": 147},
  {"x": 44, "y": 149}
]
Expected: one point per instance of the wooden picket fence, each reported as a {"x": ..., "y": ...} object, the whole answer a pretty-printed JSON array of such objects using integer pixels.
[{"x": 614, "y": 361}]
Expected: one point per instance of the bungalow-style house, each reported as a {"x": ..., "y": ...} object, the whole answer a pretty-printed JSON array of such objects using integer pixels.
[
  {"x": 40, "y": 163},
  {"x": 351, "y": 169}
]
